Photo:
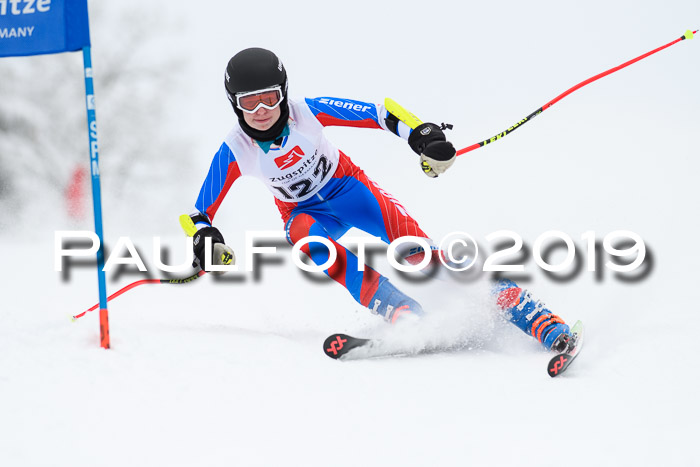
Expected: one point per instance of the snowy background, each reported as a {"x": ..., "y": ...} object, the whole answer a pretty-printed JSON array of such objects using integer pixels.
[{"x": 231, "y": 372}]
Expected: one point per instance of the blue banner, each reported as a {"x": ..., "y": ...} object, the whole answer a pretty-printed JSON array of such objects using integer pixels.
[{"x": 33, "y": 27}]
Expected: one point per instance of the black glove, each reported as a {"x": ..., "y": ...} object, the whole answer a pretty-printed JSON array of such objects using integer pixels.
[
  {"x": 437, "y": 154},
  {"x": 221, "y": 254}
]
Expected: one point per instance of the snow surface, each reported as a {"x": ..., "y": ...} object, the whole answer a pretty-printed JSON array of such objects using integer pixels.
[{"x": 221, "y": 373}]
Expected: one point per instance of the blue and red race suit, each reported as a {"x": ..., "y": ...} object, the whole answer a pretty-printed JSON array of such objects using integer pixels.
[{"x": 318, "y": 190}]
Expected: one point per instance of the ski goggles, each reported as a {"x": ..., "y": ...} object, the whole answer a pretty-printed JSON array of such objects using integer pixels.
[{"x": 269, "y": 98}]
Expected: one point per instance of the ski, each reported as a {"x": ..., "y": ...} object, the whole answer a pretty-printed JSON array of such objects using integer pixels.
[
  {"x": 341, "y": 346},
  {"x": 338, "y": 345},
  {"x": 344, "y": 347},
  {"x": 560, "y": 362}
]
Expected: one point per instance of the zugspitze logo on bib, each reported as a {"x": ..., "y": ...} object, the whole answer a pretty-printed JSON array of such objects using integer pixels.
[{"x": 289, "y": 159}]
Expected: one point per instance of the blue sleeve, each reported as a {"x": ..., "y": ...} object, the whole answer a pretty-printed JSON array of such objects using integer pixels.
[
  {"x": 223, "y": 172},
  {"x": 334, "y": 111}
]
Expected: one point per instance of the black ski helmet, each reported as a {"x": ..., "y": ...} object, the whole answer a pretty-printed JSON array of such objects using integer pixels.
[{"x": 250, "y": 70}]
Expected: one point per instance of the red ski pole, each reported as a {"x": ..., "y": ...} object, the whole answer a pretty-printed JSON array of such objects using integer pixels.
[
  {"x": 141, "y": 282},
  {"x": 190, "y": 229},
  {"x": 688, "y": 35}
]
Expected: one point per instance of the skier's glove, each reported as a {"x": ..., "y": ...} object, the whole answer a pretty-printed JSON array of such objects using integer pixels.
[
  {"x": 221, "y": 254},
  {"x": 436, "y": 153}
]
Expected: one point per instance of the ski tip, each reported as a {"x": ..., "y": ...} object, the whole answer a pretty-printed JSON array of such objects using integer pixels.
[
  {"x": 577, "y": 327},
  {"x": 558, "y": 364},
  {"x": 337, "y": 345},
  {"x": 333, "y": 345}
]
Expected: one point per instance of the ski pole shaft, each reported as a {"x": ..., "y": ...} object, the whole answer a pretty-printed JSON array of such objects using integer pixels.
[
  {"x": 141, "y": 282},
  {"x": 688, "y": 35},
  {"x": 190, "y": 229}
]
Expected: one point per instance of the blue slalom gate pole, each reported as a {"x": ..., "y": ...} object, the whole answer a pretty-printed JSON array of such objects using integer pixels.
[
  {"x": 96, "y": 195},
  {"x": 46, "y": 28}
]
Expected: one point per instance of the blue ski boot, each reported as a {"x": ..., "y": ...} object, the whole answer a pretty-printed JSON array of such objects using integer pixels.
[
  {"x": 392, "y": 304},
  {"x": 532, "y": 317}
]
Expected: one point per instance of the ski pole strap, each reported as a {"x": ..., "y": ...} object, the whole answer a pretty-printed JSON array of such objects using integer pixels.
[{"x": 688, "y": 35}]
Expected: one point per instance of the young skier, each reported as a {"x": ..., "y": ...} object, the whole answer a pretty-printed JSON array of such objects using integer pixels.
[{"x": 319, "y": 191}]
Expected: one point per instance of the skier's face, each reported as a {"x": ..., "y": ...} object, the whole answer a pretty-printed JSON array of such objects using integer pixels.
[{"x": 262, "y": 119}]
